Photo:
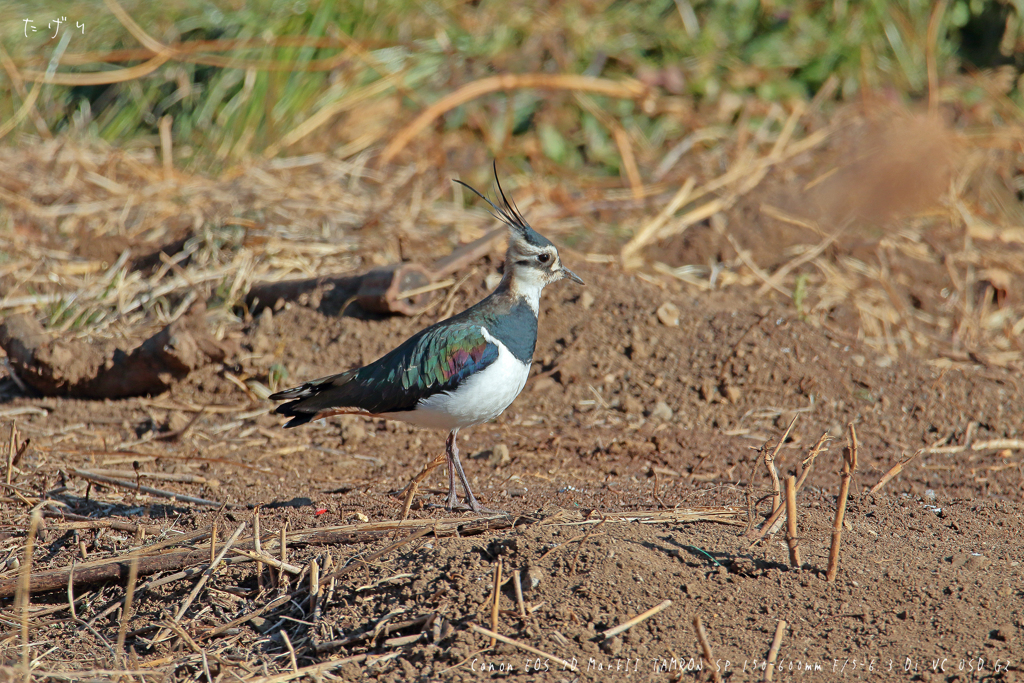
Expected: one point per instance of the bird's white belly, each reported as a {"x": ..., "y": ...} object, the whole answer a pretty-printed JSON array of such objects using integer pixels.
[{"x": 480, "y": 398}]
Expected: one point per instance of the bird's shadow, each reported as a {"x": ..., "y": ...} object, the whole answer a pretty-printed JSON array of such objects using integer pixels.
[
  {"x": 297, "y": 502},
  {"x": 98, "y": 509},
  {"x": 340, "y": 301},
  {"x": 735, "y": 564}
]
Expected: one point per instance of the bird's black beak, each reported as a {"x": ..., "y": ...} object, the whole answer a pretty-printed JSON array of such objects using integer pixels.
[{"x": 566, "y": 273}]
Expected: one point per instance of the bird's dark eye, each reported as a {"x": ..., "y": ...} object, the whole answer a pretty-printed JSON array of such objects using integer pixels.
[{"x": 543, "y": 258}]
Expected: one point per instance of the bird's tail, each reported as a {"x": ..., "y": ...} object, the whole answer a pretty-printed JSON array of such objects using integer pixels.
[{"x": 308, "y": 400}]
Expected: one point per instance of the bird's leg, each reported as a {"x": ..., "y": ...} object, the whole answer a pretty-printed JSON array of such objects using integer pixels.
[
  {"x": 451, "y": 453},
  {"x": 471, "y": 500}
]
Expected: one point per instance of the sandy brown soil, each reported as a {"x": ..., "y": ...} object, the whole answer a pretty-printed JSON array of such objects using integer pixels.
[{"x": 624, "y": 414}]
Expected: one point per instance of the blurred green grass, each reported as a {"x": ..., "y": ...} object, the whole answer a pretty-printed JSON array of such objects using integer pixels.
[{"x": 694, "y": 53}]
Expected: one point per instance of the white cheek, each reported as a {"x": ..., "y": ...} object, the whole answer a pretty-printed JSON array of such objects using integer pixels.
[{"x": 533, "y": 277}]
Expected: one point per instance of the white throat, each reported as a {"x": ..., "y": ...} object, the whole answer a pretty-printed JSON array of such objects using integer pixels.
[{"x": 528, "y": 289}]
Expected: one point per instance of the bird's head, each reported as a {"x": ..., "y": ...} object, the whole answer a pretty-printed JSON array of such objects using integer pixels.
[{"x": 532, "y": 261}]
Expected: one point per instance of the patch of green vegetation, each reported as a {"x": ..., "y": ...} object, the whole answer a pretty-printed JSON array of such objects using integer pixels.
[
  {"x": 229, "y": 103},
  {"x": 60, "y": 311},
  {"x": 278, "y": 374}
]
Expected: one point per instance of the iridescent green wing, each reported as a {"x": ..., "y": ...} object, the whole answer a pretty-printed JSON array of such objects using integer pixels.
[{"x": 437, "y": 359}]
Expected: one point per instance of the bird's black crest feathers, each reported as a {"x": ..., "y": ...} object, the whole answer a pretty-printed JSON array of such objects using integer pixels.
[{"x": 509, "y": 213}]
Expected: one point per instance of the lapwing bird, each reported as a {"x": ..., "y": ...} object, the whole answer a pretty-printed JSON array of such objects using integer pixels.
[{"x": 460, "y": 372}]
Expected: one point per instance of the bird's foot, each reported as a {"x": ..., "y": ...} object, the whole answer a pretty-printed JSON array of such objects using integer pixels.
[
  {"x": 455, "y": 505},
  {"x": 479, "y": 509}
]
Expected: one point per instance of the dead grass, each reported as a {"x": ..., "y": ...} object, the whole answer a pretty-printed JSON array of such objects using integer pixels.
[
  {"x": 188, "y": 556},
  {"x": 94, "y": 219},
  {"x": 924, "y": 196},
  {"x": 108, "y": 213}
]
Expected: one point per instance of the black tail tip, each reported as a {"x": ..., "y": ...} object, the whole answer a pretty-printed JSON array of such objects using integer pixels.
[
  {"x": 297, "y": 418},
  {"x": 281, "y": 395}
]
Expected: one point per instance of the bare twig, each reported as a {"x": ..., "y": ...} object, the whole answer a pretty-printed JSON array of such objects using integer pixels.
[
  {"x": 162, "y": 581},
  {"x": 258, "y": 544},
  {"x": 646, "y": 233},
  {"x": 998, "y": 445},
  {"x": 497, "y": 599},
  {"x": 773, "y": 652},
  {"x": 126, "y": 612},
  {"x": 328, "y": 566},
  {"x": 769, "y": 462},
  {"x": 112, "y": 569},
  {"x": 849, "y": 465},
  {"x": 314, "y": 671},
  {"x": 23, "y": 591},
  {"x": 898, "y": 467},
  {"x": 263, "y": 558},
  {"x": 775, "y": 519},
  {"x": 805, "y": 467},
  {"x": 11, "y": 449},
  {"x": 779, "y": 275},
  {"x": 291, "y": 650},
  {"x": 314, "y": 590},
  {"x": 277, "y": 602},
  {"x": 522, "y": 646},
  {"x": 627, "y": 89},
  {"x": 791, "y": 538},
  {"x": 99, "y": 636},
  {"x": 80, "y": 522},
  {"x": 141, "y": 489},
  {"x": 767, "y": 527},
  {"x": 517, "y": 584},
  {"x": 895, "y": 470},
  {"x": 705, "y": 647},
  {"x": 410, "y": 490},
  {"x": 71, "y": 590},
  {"x": 284, "y": 554},
  {"x": 630, "y": 623},
  {"x": 206, "y": 575}
]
